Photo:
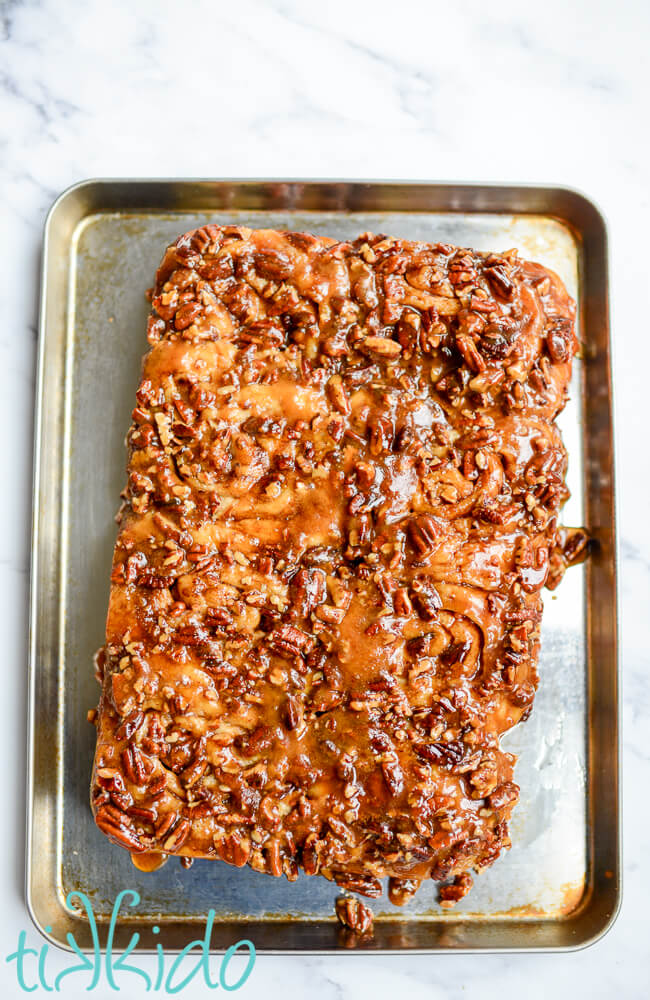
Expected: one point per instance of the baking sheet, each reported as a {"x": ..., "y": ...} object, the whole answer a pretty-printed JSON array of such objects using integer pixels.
[{"x": 101, "y": 254}]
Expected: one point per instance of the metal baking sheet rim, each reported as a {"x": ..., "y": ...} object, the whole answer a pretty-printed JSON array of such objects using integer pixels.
[{"x": 601, "y": 900}]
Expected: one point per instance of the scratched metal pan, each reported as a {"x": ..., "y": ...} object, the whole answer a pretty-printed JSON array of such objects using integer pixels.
[{"x": 559, "y": 886}]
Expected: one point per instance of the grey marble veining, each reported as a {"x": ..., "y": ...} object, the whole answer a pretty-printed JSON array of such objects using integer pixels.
[{"x": 464, "y": 91}]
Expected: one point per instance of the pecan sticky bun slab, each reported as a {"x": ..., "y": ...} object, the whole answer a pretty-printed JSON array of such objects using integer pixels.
[{"x": 342, "y": 504}]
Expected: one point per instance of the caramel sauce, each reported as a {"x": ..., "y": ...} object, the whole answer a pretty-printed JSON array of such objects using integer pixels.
[{"x": 148, "y": 861}]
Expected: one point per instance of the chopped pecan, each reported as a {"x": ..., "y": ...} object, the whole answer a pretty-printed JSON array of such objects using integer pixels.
[
  {"x": 393, "y": 776},
  {"x": 471, "y": 355},
  {"x": 354, "y": 914},
  {"x": 451, "y": 894},
  {"x": 500, "y": 282},
  {"x": 383, "y": 346},
  {"x": 308, "y": 589},
  {"x": 129, "y": 725},
  {"x": 445, "y": 754},
  {"x": 287, "y": 640},
  {"x": 235, "y": 849},
  {"x": 425, "y": 597},
  {"x": 121, "y": 835},
  {"x": 503, "y": 795},
  {"x": 186, "y": 315},
  {"x": 365, "y": 885},
  {"x": 559, "y": 339},
  {"x": 337, "y": 394},
  {"x": 293, "y": 713},
  {"x": 424, "y": 531}
]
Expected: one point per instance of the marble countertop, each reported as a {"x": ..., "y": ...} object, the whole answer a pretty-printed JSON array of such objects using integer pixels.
[{"x": 464, "y": 91}]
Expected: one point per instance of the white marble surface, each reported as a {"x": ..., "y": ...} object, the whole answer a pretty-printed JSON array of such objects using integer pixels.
[{"x": 465, "y": 91}]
